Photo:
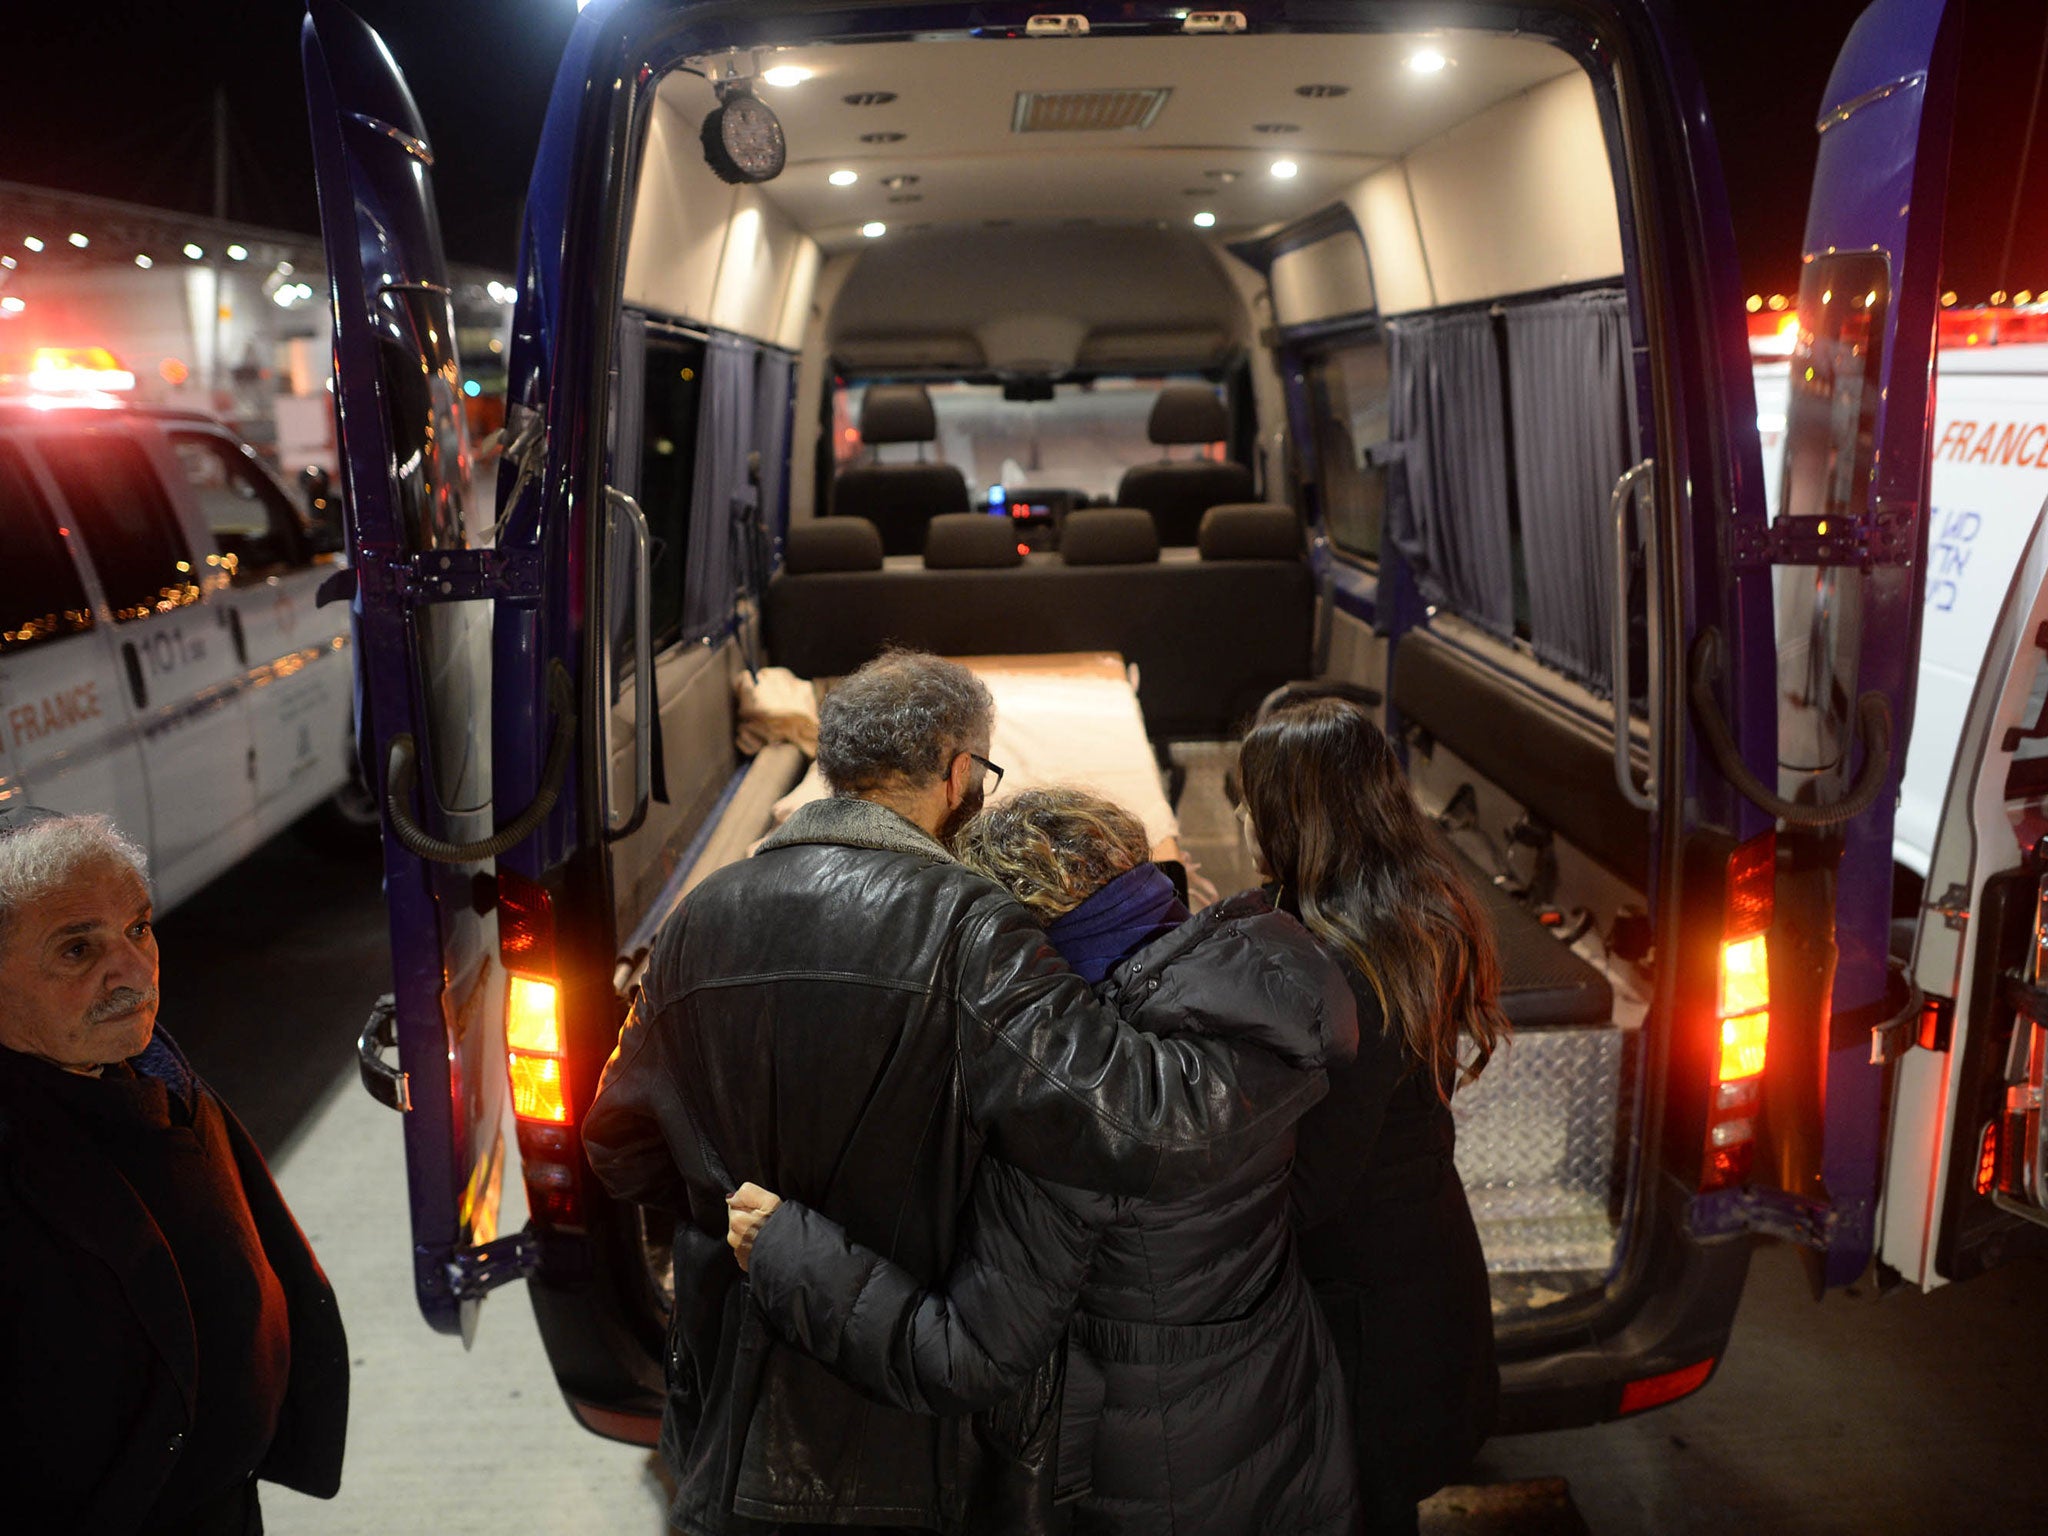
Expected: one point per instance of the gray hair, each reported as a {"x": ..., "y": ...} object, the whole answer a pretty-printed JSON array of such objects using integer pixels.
[
  {"x": 902, "y": 718},
  {"x": 42, "y": 854}
]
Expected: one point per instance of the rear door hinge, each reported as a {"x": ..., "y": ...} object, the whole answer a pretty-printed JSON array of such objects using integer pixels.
[
  {"x": 1882, "y": 537},
  {"x": 449, "y": 576},
  {"x": 468, "y": 1273}
]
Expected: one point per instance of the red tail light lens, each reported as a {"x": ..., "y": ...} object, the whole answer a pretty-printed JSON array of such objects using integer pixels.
[
  {"x": 536, "y": 1053},
  {"x": 1987, "y": 1158},
  {"x": 1742, "y": 1013}
]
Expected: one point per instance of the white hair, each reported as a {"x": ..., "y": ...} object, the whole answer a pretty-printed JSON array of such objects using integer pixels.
[{"x": 43, "y": 855}]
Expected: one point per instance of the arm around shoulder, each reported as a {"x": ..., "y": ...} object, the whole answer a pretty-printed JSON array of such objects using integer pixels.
[{"x": 967, "y": 1345}]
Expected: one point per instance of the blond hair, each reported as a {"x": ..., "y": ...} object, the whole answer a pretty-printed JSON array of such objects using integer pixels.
[{"x": 1053, "y": 848}]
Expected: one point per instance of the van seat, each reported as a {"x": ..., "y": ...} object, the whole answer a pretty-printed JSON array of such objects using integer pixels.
[
  {"x": 1178, "y": 491},
  {"x": 1109, "y": 536},
  {"x": 899, "y": 499}
]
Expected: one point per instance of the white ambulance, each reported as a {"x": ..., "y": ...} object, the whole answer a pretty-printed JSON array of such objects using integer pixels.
[{"x": 163, "y": 659}]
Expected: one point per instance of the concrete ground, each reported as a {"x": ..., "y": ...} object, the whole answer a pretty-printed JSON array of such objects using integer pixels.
[{"x": 1907, "y": 1413}]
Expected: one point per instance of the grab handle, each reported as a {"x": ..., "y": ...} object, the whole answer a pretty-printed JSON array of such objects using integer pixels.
[
  {"x": 625, "y": 508},
  {"x": 1618, "y": 503}
]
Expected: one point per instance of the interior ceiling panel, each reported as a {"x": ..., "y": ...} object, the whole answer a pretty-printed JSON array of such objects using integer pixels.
[{"x": 1206, "y": 105}]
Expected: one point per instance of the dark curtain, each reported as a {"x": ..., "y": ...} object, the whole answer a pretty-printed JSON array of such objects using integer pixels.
[
  {"x": 1452, "y": 523},
  {"x": 1568, "y": 387},
  {"x": 772, "y": 388},
  {"x": 712, "y": 568}
]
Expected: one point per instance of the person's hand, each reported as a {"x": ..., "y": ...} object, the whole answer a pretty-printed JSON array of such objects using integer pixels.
[{"x": 746, "y": 1208}]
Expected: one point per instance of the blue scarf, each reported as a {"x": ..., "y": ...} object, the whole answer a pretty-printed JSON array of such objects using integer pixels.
[{"x": 1125, "y": 915}]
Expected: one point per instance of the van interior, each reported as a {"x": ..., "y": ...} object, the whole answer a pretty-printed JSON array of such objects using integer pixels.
[{"x": 1249, "y": 359}]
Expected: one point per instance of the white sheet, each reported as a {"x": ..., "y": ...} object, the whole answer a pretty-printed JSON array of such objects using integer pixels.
[{"x": 1053, "y": 729}]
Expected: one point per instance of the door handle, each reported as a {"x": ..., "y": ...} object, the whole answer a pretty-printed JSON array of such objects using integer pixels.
[
  {"x": 386, "y": 1084},
  {"x": 1623, "y": 498},
  {"x": 131, "y": 660},
  {"x": 625, "y": 509}
]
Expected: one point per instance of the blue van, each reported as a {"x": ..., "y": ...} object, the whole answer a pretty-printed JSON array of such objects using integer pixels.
[{"x": 1397, "y": 342}]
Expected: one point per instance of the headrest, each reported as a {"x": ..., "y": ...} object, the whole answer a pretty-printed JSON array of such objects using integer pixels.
[
  {"x": 1250, "y": 530},
  {"x": 958, "y": 541},
  {"x": 1109, "y": 536},
  {"x": 1188, "y": 413},
  {"x": 897, "y": 413},
  {"x": 832, "y": 544}
]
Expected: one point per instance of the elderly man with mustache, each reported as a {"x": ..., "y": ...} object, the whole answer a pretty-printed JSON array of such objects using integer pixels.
[{"x": 166, "y": 1335}]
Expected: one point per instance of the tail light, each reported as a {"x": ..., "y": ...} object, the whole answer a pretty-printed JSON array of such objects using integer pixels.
[
  {"x": 536, "y": 1053},
  {"x": 1742, "y": 1013},
  {"x": 1987, "y": 1158}
]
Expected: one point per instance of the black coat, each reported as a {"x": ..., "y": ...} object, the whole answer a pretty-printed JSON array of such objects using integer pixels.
[
  {"x": 852, "y": 1019},
  {"x": 98, "y": 1364},
  {"x": 1202, "y": 1395},
  {"x": 1388, "y": 1243}
]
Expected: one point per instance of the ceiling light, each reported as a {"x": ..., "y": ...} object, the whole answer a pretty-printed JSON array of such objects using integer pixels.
[
  {"x": 12, "y": 305},
  {"x": 1205, "y": 219},
  {"x": 786, "y": 74},
  {"x": 193, "y": 252},
  {"x": 843, "y": 178},
  {"x": 874, "y": 229},
  {"x": 238, "y": 253},
  {"x": 32, "y": 242},
  {"x": 144, "y": 262},
  {"x": 8, "y": 262},
  {"x": 1285, "y": 170},
  {"x": 78, "y": 240},
  {"x": 1427, "y": 61}
]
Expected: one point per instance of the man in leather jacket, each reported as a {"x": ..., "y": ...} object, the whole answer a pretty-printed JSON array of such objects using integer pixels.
[{"x": 853, "y": 1019}]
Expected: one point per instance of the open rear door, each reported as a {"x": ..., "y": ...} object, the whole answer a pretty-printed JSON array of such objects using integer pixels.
[
  {"x": 423, "y": 585},
  {"x": 1966, "y": 1181},
  {"x": 1849, "y": 542}
]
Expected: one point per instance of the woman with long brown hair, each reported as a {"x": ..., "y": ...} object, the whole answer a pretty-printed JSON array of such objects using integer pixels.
[{"x": 1386, "y": 1236}]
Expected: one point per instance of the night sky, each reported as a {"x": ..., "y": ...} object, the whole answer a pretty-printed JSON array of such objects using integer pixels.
[{"x": 116, "y": 99}]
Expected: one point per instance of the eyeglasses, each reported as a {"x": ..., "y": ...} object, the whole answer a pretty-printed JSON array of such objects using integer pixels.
[{"x": 992, "y": 775}]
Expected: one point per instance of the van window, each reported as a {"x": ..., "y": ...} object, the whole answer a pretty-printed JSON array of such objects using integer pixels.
[
  {"x": 250, "y": 518},
  {"x": 130, "y": 531},
  {"x": 41, "y": 595},
  {"x": 668, "y": 460},
  {"x": 1082, "y": 439},
  {"x": 1347, "y": 394}
]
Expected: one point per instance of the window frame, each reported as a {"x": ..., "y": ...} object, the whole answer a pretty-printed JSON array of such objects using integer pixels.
[
  {"x": 1320, "y": 354},
  {"x": 286, "y": 524}
]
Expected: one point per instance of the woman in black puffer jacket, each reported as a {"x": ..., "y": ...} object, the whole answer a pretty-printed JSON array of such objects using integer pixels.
[
  {"x": 1201, "y": 1394},
  {"x": 1387, "y": 1237}
]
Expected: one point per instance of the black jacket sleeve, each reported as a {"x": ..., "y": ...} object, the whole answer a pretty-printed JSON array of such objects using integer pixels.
[
  {"x": 1065, "y": 1089},
  {"x": 623, "y": 1132},
  {"x": 971, "y": 1343}
]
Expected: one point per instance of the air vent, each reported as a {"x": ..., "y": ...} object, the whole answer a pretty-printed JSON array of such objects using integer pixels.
[
  {"x": 1221, "y": 178},
  {"x": 1087, "y": 111},
  {"x": 884, "y": 137},
  {"x": 1322, "y": 92},
  {"x": 898, "y": 183},
  {"x": 907, "y": 197},
  {"x": 870, "y": 98},
  {"x": 1276, "y": 127}
]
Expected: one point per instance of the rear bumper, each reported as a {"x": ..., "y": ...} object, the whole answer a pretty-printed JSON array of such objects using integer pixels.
[{"x": 1686, "y": 1310}]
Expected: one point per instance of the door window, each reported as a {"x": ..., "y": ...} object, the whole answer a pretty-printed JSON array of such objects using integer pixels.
[
  {"x": 1347, "y": 398},
  {"x": 130, "y": 531},
  {"x": 250, "y": 518},
  {"x": 41, "y": 595}
]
